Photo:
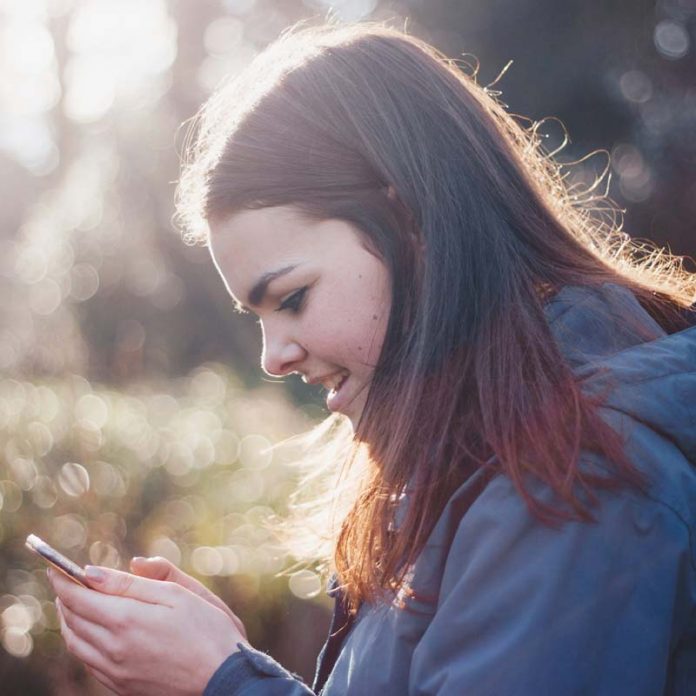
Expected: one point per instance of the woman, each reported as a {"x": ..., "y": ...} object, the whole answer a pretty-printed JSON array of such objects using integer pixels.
[{"x": 519, "y": 379}]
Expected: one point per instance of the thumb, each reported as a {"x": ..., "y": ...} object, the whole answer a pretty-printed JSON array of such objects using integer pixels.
[
  {"x": 155, "y": 568},
  {"x": 158, "y": 568}
]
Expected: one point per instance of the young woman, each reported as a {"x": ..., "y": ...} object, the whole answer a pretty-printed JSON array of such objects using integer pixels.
[{"x": 518, "y": 376}]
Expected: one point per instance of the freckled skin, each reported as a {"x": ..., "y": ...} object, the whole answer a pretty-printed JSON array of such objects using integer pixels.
[{"x": 342, "y": 319}]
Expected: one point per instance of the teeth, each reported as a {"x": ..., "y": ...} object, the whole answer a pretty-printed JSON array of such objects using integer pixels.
[{"x": 332, "y": 383}]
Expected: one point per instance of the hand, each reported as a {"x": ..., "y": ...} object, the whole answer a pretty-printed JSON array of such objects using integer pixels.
[
  {"x": 158, "y": 568},
  {"x": 140, "y": 636}
]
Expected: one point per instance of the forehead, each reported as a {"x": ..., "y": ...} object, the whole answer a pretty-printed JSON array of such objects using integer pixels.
[
  {"x": 250, "y": 243},
  {"x": 250, "y": 237}
]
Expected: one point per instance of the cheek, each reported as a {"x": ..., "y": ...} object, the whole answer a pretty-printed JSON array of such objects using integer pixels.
[
  {"x": 366, "y": 324},
  {"x": 342, "y": 333},
  {"x": 372, "y": 317},
  {"x": 352, "y": 318},
  {"x": 375, "y": 334}
]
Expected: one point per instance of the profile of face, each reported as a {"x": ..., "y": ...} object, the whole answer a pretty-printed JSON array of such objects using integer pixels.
[{"x": 322, "y": 298}]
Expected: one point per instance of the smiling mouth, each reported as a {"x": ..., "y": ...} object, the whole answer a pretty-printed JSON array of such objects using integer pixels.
[
  {"x": 336, "y": 398},
  {"x": 335, "y": 389}
]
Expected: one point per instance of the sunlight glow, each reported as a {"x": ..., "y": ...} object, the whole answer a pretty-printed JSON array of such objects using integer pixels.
[
  {"x": 346, "y": 10},
  {"x": 119, "y": 51}
]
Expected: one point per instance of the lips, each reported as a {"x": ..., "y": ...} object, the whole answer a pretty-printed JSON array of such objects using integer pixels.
[{"x": 335, "y": 384}]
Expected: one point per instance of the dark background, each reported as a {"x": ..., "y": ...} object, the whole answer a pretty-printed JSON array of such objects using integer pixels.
[{"x": 132, "y": 410}]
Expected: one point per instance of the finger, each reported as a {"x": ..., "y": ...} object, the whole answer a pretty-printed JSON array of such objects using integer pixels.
[
  {"x": 110, "y": 611},
  {"x": 79, "y": 647},
  {"x": 118, "y": 583},
  {"x": 80, "y": 600},
  {"x": 94, "y": 634},
  {"x": 68, "y": 592},
  {"x": 156, "y": 568},
  {"x": 159, "y": 568},
  {"x": 103, "y": 678}
]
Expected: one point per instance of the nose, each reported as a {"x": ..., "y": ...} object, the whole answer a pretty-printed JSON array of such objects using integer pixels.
[{"x": 281, "y": 355}]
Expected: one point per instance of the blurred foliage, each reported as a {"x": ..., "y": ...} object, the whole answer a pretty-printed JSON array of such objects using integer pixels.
[
  {"x": 180, "y": 469},
  {"x": 133, "y": 415}
]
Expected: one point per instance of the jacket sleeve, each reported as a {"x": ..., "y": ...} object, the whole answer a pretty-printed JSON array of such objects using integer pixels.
[
  {"x": 251, "y": 672},
  {"x": 528, "y": 610}
]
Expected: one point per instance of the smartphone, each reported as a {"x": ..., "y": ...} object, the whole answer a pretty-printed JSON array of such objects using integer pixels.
[{"x": 57, "y": 560}]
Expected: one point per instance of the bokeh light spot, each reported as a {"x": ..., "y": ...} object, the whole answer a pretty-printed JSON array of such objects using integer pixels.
[
  {"x": 222, "y": 35},
  {"x": 165, "y": 547},
  {"x": 73, "y": 479},
  {"x": 92, "y": 409},
  {"x": 230, "y": 560},
  {"x": 636, "y": 86},
  {"x": 255, "y": 452},
  {"x": 18, "y": 616},
  {"x": 245, "y": 486},
  {"x": 208, "y": 386},
  {"x": 31, "y": 265},
  {"x": 207, "y": 560},
  {"x": 227, "y": 447},
  {"x": 70, "y": 531},
  {"x": 12, "y": 496},
  {"x": 671, "y": 39},
  {"x": 635, "y": 178},
  {"x": 45, "y": 297},
  {"x": 104, "y": 554},
  {"x": 107, "y": 480},
  {"x": 24, "y": 472},
  {"x": 17, "y": 643},
  {"x": 84, "y": 282},
  {"x": 44, "y": 493},
  {"x": 305, "y": 584},
  {"x": 41, "y": 438}
]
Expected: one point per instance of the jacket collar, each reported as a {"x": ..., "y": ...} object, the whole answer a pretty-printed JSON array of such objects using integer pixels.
[
  {"x": 616, "y": 349},
  {"x": 594, "y": 323}
]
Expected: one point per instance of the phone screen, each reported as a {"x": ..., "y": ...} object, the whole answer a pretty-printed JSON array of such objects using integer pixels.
[{"x": 56, "y": 559}]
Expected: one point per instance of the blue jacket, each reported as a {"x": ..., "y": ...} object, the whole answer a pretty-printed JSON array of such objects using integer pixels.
[{"x": 506, "y": 606}]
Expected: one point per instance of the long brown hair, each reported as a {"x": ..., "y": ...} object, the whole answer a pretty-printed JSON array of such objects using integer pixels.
[{"x": 480, "y": 233}]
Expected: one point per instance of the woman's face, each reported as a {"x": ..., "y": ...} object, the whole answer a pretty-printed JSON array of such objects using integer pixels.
[{"x": 322, "y": 298}]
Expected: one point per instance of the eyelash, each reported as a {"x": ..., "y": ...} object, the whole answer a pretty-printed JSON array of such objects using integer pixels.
[{"x": 294, "y": 302}]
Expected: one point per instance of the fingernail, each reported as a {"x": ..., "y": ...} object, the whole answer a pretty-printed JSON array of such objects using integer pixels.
[
  {"x": 95, "y": 574},
  {"x": 137, "y": 559}
]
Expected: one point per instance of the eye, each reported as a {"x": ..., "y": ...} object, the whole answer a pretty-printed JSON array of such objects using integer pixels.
[{"x": 294, "y": 302}]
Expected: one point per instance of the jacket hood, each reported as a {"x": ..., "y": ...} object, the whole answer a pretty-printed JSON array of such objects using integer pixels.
[{"x": 616, "y": 349}]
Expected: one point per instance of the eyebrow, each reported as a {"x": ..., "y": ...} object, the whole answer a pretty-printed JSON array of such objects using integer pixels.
[{"x": 258, "y": 291}]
